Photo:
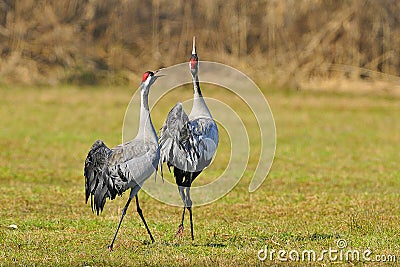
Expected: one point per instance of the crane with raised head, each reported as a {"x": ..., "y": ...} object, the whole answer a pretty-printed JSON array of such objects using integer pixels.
[
  {"x": 188, "y": 142},
  {"x": 112, "y": 171}
]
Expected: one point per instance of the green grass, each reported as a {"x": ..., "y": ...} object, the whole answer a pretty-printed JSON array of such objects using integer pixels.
[{"x": 335, "y": 175}]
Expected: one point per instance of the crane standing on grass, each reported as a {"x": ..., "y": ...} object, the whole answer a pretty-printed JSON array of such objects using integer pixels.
[
  {"x": 109, "y": 172},
  {"x": 188, "y": 143}
]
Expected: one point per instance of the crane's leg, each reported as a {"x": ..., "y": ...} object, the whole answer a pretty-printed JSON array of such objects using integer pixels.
[
  {"x": 191, "y": 222},
  {"x": 139, "y": 211},
  {"x": 180, "y": 227},
  {"x": 110, "y": 247},
  {"x": 189, "y": 207}
]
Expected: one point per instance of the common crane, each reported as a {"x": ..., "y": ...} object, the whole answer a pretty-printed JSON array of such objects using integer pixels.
[
  {"x": 110, "y": 172},
  {"x": 188, "y": 143}
]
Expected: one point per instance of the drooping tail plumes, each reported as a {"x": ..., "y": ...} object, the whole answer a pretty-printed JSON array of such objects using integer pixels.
[{"x": 98, "y": 183}]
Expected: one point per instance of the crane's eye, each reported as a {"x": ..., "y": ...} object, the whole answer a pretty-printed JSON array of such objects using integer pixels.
[
  {"x": 146, "y": 75},
  {"x": 193, "y": 62}
]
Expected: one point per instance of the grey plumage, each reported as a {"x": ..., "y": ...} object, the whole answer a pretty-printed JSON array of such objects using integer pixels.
[{"x": 96, "y": 178}]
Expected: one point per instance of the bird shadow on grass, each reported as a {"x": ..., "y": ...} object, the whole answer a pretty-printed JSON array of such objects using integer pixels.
[{"x": 173, "y": 243}]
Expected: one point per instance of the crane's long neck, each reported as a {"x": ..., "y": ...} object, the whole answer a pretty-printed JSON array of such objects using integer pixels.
[
  {"x": 196, "y": 86},
  {"x": 199, "y": 105},
  {"x": 146, "y": 128}
]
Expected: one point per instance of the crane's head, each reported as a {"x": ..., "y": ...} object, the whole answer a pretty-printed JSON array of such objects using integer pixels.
[
  {"x": 194, "y": 60},
  {"x": 149, "y": 78}
]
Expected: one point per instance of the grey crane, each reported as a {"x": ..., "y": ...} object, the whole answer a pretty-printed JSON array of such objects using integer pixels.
[
  {"x": 188, "y": 143},
  {"x": 110, "y": 172}
]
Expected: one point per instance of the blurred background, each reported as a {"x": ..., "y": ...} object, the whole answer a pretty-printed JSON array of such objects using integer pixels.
[{"x": 295, "y": 44}]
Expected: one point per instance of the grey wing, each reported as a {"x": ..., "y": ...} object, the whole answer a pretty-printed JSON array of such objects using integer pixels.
[
  {"x": 127, "y": 151},
  {"x": 109, "y": 172},
  {"x": 188, "y": 145},
  {"x": 204, "y": 134},
  {"x": 175, "y": 138},
  {"x": 135, "y": 161}
]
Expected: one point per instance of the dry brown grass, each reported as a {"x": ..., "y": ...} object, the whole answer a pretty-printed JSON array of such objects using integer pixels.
[{"x": 288, "y": 43}]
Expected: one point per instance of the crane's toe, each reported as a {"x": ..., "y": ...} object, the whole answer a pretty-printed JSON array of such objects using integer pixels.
[{"x": 180, "y": 231}]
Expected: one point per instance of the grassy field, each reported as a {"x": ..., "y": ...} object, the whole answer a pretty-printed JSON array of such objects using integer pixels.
[{"x": 335, "y": 176}]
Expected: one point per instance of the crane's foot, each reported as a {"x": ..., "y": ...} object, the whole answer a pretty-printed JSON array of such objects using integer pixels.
[
  {"x": 180, "y": 231},
  {"x": 110, "y": 248}
]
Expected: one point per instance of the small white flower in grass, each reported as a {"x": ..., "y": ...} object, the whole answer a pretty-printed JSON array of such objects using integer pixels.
[{"x": 13, "y": 226}]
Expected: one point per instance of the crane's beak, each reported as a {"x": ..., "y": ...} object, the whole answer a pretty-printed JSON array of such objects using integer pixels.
[
  {"x": 194, "y": 46},
  {"x": 157, "y": 71},
  {"x": 156, "y": 76}
]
